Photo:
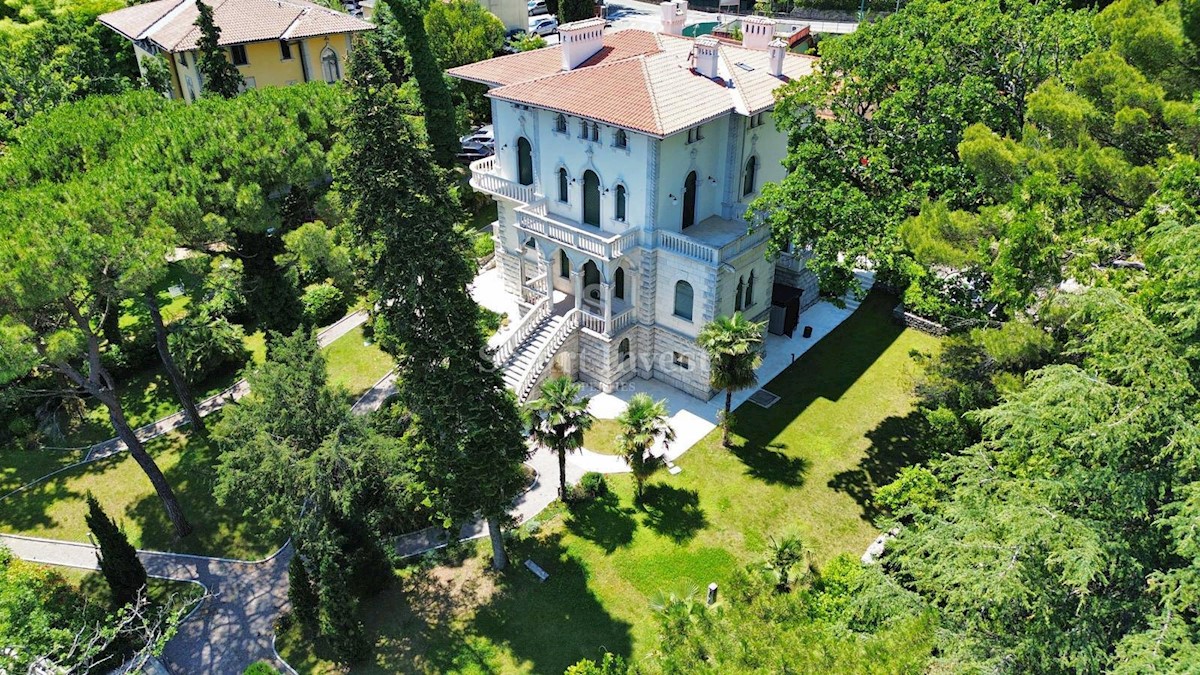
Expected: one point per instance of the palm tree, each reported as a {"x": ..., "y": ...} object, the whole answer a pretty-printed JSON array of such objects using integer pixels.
[
  {"x": 734, "y": 346},
  {"x": 643, "y": 423},
  {"x": 558, "y": 418},
  {"x": 785, "y": 554}
]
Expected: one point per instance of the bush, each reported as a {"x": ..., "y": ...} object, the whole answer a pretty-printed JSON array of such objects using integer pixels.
[
  {"x": 260, "y": 668},
  {"x": 204, "y": 346},
  {"x": 594, "y": 484},
  {"x": 323, "y": 304},
  {"x": 484, "y": 245}
]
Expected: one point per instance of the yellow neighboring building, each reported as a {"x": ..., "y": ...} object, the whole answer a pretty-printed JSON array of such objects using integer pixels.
[{"x": 272, "y": 42}]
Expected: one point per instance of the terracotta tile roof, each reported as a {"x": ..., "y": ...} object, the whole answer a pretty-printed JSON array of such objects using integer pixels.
[
  {"x": 171, "y": 23},
  {"x": 653, "y": 91},
  {"x": 525, "y": 66}
]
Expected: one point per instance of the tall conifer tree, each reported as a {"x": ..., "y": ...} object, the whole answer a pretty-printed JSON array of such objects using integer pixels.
[
  {"x": 119, "y": 563},
  {"x": 220, "y": 75},
  {"x": 465, "y": 423}
]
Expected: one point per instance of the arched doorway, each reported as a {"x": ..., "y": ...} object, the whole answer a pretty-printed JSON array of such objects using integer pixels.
[
  {"x": 619, "y": 284},
  {"x": 689, "y": 200},
  {"x": 591, "y": 198},
  {"x": 524, "y": 162}
]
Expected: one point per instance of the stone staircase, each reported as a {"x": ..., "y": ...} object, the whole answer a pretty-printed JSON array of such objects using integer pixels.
[{"x": 534, "y": 347}]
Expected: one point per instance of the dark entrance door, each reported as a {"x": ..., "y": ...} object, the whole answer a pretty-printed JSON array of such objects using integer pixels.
[
  {"x": 689, "y": 200},
  {"x": 591, "y": 198},
  {"x": 524, "y": 162}
]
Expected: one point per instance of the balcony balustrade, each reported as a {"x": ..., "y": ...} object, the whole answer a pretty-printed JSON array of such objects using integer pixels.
[
  {"x": 536, "y": 219},
  {"x": 485, "y": 177}
]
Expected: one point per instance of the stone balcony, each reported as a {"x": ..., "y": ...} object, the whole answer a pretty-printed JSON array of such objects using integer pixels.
[
  {"x": 536, "y": 219},
  {"x": 713, "y": 240},
  {"x": 485, "y": 177}
]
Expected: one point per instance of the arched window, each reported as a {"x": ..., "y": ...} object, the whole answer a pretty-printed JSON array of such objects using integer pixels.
[
  {"x": 750, "y": 291},
  {"x": 683, "y": 300},
  {"x": 622, "y": 139},
  {"x": 330, "y": 66},
  {"x": 524, "y": 162},
  {"x": 563, "y": 193},
  {"x": 564, "y": 264},
  {"x": 751, "y": 171},
  {"x": 583, "y": 129},
  {"x": 623, "y": 351},
  {"x": 689, "y": 200},
  {"x": 591, "y": 198},
  {"x": 620, "y": 205},
  {"x": 619, "y": 284},
  {"x": 595, "y": 131},
  {"x": 591, "y": 274},
  {"x": 560, "y": 123},
  {"x": 737, "y": 298}
]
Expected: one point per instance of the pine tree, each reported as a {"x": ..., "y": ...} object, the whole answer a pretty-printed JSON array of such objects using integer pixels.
[
  {"x": 305, "y": 603},
  {"x": 440, "y": 120},
  {"x": 119, "y": 562},
  {"x": 221, "y": 77},
  {"x": 465, "y": 423}
]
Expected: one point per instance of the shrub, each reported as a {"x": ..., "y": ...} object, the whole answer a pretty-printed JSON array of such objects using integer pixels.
[
  {"x": 484, "y": 245},
  {"x": 323, "y": 304},
  {"x": 594, "y": 484},
  {"x": 204, "y": 346},
  {"x": 260, "y": 668}
]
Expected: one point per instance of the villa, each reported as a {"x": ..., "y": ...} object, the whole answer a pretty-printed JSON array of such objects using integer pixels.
[
  {"x": 625, "y": 163},
  {"x": 272, "y": 42}
]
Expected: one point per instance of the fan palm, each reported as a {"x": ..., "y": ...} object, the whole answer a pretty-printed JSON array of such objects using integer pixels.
[
  {"x": 643, "y": 423},
  {"x": 558, "y": 418},
  {"x": 734, "y": 347}
]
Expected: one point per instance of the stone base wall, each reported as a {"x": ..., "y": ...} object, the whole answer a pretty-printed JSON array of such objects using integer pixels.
[
  {"x": 919, "y": 323},
  {"x": 791, "y": 271},
  {"x": 692, "y": 379}
]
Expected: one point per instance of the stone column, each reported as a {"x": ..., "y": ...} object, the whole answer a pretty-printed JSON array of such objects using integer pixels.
[
  {"x": 577, "y": 282},
  {"x": 606, "y": 293}
]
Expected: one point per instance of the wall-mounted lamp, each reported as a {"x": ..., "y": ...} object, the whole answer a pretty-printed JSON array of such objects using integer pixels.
[
  {"x": 605, "y": 190},
  {"x": 504, "y": 147},
  {"x": 673, "y": 198},
  {"x": 712, "y": 180},
  {"x": 573, "y": 181}
]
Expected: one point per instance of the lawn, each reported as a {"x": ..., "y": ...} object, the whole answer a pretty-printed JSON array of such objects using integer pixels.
[
  {"x": 354, "y": 365},
  {"x": 55, "y": 508},
  {"x": 807, "y": 466},
  {"x": 162, "y": 591},
  {"x": 602, "y": 437}
]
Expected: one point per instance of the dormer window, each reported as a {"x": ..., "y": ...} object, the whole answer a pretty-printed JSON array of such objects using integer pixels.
[
  {"x": 560, "y": 123},
  {"x": 694, "y": 134},
  {"x": 622, "y": 139}
]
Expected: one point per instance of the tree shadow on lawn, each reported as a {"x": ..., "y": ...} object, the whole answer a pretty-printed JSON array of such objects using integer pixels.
[
  {"x": 221, "y": 531},
  {"x": 895, "y": 444},
  {"x": 826, "y": 371},
  {"x": 603, "y": 521},
  {"x": 551, "y": 624},
  {"x": 673, "y": 512},
  {"x": 27, "y": 510}
]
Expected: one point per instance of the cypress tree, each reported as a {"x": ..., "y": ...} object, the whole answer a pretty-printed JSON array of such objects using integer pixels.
[
  {"x": 465, "y": 423},
  {"x": 118, "y": 559},
  {"x": 220, "y": 75},
  {"x": 440, "y": 120},
  {"x": 302, "y": 596}
]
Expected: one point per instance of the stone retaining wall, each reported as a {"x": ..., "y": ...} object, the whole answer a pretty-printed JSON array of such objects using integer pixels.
[{"x": 900, "y": 316}]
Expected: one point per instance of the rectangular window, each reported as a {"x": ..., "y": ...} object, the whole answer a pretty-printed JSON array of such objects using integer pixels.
[
  {"x": 237, "y": 54},
  {"x": 694, "y": 135},
  {"x": 285, "y": 50},
  {"x": 681, "y": 360}
]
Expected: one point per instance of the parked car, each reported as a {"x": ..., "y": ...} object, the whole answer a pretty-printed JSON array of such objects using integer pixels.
[
  {"x": 547, "y": 25},
  {"x": 537, "y": 7},
  {"x": 481, "y": 135}
]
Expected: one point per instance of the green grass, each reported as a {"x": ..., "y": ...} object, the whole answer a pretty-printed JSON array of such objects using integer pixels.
[
  {"x": 808, "y": 466},
  {"x": 55, "y": 508},
  {"x": 354, "y": 365},
  {"x": 93, "y": 586},
  {"x": 602, "y": 437}
]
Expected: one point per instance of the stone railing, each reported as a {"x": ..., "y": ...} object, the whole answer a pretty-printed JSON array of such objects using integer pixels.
[
  {"x": 683, "y": 244},
  {"x": 596, "y": 323},
  {"x": 525, "y": 327},
  {"x": 536, "y": 219},
  {"x": 622, "y": 321},
  {"x": 545, "y": 354},
  {"x": 536, "y": 289},
  {"x": 485, "y": 179}
]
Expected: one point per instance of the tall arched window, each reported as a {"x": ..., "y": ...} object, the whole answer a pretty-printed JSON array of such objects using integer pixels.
[
  {"x": 330, "y": 66},
  {"x": 524, "y": 162},
  {"x": 689, "y": 200},
  {"x": 591, "y": 198},
  {"x": 564, "y": 264},
  {"x": 563, "y": 193},
  {"x": 560, "y": 123},
  {"x": 737, "y": 298},
  {"x": 750, "y": 290},
  {"x": 623, "y": 351},
  {"x": 619, "y": 284},
  {"x": 683, "y": 300},
  {"x": 622, "y": 139},
  {"x": 620, "y": 205},
  {"x": 751, "y": 171},
  {"x": 591, "y": 274}
]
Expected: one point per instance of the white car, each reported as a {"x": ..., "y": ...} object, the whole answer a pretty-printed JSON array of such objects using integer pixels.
[
  {"x": 482, "y": 136},
  {"x": 547, "y": 25}
]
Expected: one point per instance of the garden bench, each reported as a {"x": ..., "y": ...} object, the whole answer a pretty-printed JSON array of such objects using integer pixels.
[{"x": 538, "y": 572}]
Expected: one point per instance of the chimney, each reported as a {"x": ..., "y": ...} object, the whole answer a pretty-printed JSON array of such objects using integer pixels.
[
  {"x": 673, "y": 14},
  {"x": 580, "y": 40},
  {"x": 757, "y": 32},
  {"x": 775, "y": 53},
  {"x": 704, "y": 55}
]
